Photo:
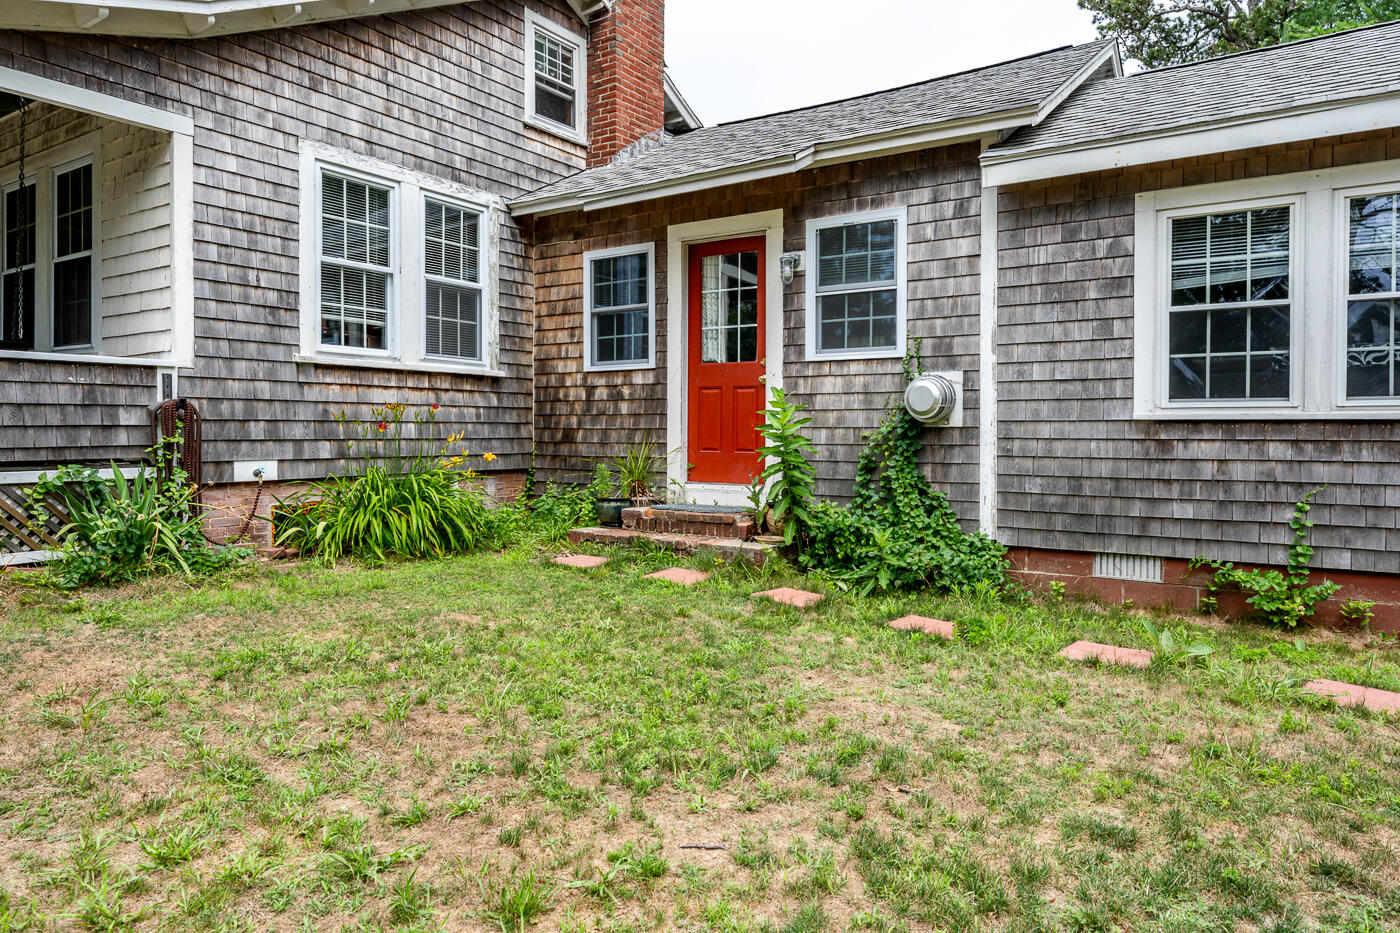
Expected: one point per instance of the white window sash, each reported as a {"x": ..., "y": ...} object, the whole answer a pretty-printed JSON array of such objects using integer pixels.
[
  {"x": 40, "y": 170},
  {"x": 899, "y": 285},
  {"x": 590, "y": 312},
  {"x": 389, "y": 270},
  {"x": 535, "y": 24},
  {"x": 1344, "y": 197},
  {"x": 1318, "y": 292}
]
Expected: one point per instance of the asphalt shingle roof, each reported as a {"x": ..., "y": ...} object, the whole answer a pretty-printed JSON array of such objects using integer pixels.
[
  {"x": 985, "y": 92},
  {"x": 1344, "y": 66}
]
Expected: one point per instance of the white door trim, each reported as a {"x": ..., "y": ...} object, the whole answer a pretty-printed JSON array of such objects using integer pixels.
[{"x": 678, "y": 237}]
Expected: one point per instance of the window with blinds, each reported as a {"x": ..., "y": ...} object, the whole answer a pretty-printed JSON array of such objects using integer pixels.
[
  {"x": 855, "y": 286},
  {"x": 618, "y": 308},
  {"x": 356, "y": 269},
  {"x": 1230, "y": 323},
  {"x": 452, "y": 281}
]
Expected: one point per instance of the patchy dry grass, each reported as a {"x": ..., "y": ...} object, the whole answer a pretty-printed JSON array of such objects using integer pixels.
[{"x": 491, "y": 743}]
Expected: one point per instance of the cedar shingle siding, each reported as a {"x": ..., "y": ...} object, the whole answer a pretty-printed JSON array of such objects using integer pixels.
[
  {"x": 439, "y": 91},
  {"x": 581, "y": 417},
  {"x": 1078, "y": 473}
]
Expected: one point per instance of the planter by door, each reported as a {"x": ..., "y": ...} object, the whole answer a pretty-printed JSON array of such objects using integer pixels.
[{"x": 727, "y": 360}]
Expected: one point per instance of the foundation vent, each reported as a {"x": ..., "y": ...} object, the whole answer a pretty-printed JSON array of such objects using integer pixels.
[{"x": 1136, "y": 567}]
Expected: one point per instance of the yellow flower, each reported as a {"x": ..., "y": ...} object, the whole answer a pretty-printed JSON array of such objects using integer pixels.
[{"x": 488, "y": 457}]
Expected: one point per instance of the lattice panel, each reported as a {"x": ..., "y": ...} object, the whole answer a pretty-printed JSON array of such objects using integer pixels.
[{"x": 19, "y": 533}]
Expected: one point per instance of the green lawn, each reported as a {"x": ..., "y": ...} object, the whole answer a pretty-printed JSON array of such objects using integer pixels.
[{"x": 493, "y": 741}]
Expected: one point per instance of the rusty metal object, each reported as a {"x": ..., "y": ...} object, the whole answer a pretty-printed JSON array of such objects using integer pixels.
[{"x": 179, "y": 418}]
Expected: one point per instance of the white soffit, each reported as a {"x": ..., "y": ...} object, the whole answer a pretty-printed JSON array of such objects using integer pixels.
[{"x": 185, "y": 19}]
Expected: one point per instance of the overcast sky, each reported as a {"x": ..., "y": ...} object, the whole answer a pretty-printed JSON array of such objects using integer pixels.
[{"x": 741, "y": 58}]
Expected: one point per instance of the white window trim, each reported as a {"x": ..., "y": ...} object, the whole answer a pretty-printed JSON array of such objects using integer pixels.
[
  {"x": 1317, "y": 286},
  {"x": 408, "y": 295},
  {"x": 392, "y": 323},
  {"x": 41, "y": 169},
  {"x": 578, "y": 133},
  {"x": 901, "y": 217},
  {"x": 648, "y": 250}
]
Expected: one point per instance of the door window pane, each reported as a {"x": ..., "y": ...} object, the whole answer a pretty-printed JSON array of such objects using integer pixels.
[{"x": 729, "y": 308}]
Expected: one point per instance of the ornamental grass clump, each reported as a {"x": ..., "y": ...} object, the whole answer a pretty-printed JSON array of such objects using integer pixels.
[{"x": 411, "y": 498}]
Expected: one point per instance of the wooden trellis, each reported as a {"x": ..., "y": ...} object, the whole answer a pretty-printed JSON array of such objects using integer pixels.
[{"x": 23, "y": 539}]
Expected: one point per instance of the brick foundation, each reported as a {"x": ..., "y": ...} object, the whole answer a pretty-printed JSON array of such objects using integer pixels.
[{"x": 1182, "y": 588}]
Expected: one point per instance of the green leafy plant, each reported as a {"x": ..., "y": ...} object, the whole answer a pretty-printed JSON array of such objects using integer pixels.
[
  {"x": 898, "y": 532},
  {"x": 1278, "y": 597},
  {"x": 1358, "y": 612},
  {"x": 411, "y": 499},
  {"x": 122, "y": 528},
  {"x": 637, "y": 468},
  {"x": 1170, "y": 648},
  {"x": 788, "y": 475}
]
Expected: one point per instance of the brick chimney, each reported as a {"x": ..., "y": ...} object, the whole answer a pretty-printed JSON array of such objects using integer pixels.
[{"x": 626, "y": 76}]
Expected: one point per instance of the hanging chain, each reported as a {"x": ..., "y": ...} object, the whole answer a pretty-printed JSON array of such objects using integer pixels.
[{"x": 20, "y": 222}]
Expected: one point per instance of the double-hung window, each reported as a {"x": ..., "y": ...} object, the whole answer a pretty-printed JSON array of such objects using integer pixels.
[
  {"x": 555, "y": 81},
  {"x": 356, "y": 262},
  {"x": 1230, "y": 305},
  {"x": 856, "y": 286},
  {"x": 452, "y": 265},
  {"x": 619, "y": 320},
  {"x": 48, "y": 273},
  {"x": 1373, "y": 296},
  {"x": 1270, "y": 298},
  {"x": 401, "y": 271}
]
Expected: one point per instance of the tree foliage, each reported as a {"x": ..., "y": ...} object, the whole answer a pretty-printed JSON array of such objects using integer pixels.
[{"x": 1171, "y": 32}]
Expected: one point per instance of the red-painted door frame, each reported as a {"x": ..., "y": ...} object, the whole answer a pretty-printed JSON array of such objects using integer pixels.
[{"x": 725, "y": 400}]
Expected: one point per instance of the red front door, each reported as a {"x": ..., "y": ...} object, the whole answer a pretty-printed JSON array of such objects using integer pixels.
[{"x": 726, "y": 360}]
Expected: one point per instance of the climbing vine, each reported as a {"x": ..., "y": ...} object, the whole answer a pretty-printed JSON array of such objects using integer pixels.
[{"x": 898, "y": 532}]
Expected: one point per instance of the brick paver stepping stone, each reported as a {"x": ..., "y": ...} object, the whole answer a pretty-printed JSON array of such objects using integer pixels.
[
  {"x": 581, "y": 561},
  {"x": 1107, "y": 654},
  {"x": 791, "y": 597},
  {"x": 924, "y": 624},
  {"x": 1344, "y": 694},
  {"x": 680, "y": 575}
]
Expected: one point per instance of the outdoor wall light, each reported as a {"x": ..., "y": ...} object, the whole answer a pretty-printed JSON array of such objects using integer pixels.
[{"x": 788, "y": 265}]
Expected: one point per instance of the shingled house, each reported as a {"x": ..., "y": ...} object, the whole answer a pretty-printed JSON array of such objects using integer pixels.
[{"x": 1167, "y": 299}]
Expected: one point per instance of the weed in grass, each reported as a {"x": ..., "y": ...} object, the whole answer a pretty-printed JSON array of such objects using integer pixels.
[
  {"x": 511, "y": 835},
  {"x": 410, "y": 901},
  {"x": 1104, "y": 832},
  {"x": 810, "y": 919},
  {"x": 466, "y": 804},
  {"x": 518, "y": 902},
  {"x": 172, "y": 848}
]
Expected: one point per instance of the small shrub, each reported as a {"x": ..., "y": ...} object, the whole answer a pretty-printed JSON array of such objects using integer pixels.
[
  {"x": 1279, "y": 598},
  {"x": 127, "y": 527},
  {"x": 1169, "y": 648},
  {"x": 1358, "y": 612},
  {"x": 637, "y": 468}
]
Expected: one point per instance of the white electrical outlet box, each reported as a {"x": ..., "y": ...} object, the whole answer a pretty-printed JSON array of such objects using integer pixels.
[{"x": 251, "y": 471}]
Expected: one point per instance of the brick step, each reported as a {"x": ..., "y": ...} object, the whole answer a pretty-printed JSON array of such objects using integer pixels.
[
  {"x": 732, "y": 549},
  {"x": 707, "y": 523}
]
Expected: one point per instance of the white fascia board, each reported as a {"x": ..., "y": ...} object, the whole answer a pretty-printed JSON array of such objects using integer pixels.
[
  {"x": 1109, "y": 53},
  {"x": 826, "y": 153},
  {"x": 33, "y": 87},
  {"x": 1315, "y": 121},
  {"x": 677, "y": 100}
]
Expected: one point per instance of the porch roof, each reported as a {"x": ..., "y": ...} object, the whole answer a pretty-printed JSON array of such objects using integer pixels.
[{"x": 963, "y": 106}]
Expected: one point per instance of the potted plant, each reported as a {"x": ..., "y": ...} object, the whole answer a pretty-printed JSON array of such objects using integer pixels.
[{"x": 607, "y": 507}]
